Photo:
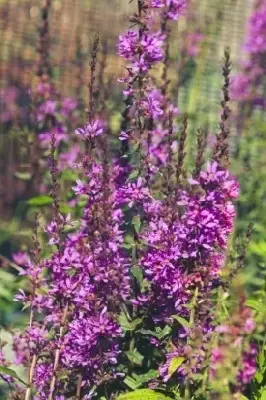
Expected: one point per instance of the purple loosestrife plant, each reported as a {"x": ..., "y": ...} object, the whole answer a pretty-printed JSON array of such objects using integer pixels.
[
  {"x": 47, "y": 113},
  {"x": 126, "y": 297},
  {"x": 78, "y": 292},
  {"x": 182, "y": 237}
]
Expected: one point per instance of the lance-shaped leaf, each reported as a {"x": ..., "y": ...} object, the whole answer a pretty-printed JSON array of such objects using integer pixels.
[
  {"x": 10, "y": 372},
  {"x": 143, "y": 394},
  {"x": 175, "y": 364}
]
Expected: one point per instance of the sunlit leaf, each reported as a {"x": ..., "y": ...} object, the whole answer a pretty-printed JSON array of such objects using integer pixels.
[
  {"x": 175, "y": 364},
  {"x": 136, "y": 221},
  {"x": 10, "y": 372},
  {"x": 137, "y": 273},
  {"x": 127, "y": 325},
  {"x": 256, "y": 305},
  {"x": 182, "y": 321},
  {"x": 143, "y": 394},
  {"x": 134, "y": 174},
  {"x": 131, "y": 383},
  {"x": 25, "y": 176},
  {"x": 263, "y": 395},
  {"x": 135, "y": 357},
  {"x": 42, "y": 200}
]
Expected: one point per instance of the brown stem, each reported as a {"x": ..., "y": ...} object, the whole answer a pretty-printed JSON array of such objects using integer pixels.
[
  {"x": 78, "y": 393},
  {"x": 36, "y": 258},
  {"x": 57, "y": 353},
  {"x": 31, "y": 374},
  {"x": 181, "y": 150},
  {"x": 201, "y": 145},
  {"x": 43, "y": 65}
]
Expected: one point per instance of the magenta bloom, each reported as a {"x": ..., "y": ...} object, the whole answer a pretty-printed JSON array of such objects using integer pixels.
[
  {"x": 176, "y": 8},
  {"x": 90, "y": 130},
  {"x": 133, "y": 193}
]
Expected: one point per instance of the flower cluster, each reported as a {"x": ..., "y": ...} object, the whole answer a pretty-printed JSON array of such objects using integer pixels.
[
  {"x": 88, "y": 279},
  {"x": 182, "y": 249},
  {"x": 173, "y": 8},
  {"x": 90, "y": 130},
  {"x": 55, "y": 116},
  {"x": 144, "y": 48}
]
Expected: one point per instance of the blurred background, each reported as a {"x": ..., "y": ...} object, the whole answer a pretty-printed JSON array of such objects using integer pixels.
[{"x": 196, "y": 52}]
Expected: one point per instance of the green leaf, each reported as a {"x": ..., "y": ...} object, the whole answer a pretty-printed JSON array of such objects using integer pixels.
[
  {"x": 144, "y": 378},
  {"x": 131, "y": 383},
  {"x": 10, "y": 372},
  {"x": 71, "y": 227},
  {"x": 5, "y": 293},
  {"x": 6, "y": 276},
  {"x": 259, "y": 377},
  {"x": 175, "y": 364},
  {"x": 82, "y": 203},
  {"x": 127, "y": 325},
  {"x": 262, "y": 358},
  {"x": 65, "y": 209},
  {"x": 137, "y": 273},
  {"x": 136, "y": 381},
  {"x": 159, "y": 334},
  {"x": 127, "y": 246},
  {"x": 182, "y": 321},
  {"x": 143, "y": 394},
  {"x": 135, "y": 357},
  {"x": 197, "y": 377},
  {"x": 42, "y": 200},
  {"x": 256, "y": 305},
  {"x": 25, "y": 176},
  {"x": 133, "y": 175},
  {"x": 136, "y": 223},
  {"x": 263, "y": 395},
  {"x": 69, "y": 175}
]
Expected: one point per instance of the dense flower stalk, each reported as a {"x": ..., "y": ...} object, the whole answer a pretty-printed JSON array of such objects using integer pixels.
[{"x": 86, "y": 282}]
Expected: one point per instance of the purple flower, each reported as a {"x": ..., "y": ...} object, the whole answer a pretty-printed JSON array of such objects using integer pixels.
[
  {"x": 47, "y": 108},
  {"x": 43, "y": 373},
  {"x": 20, "y": 258},
  {"x": 133, "y": 193},
  {"x": 82, "y": 343},
  {"x": 249, "y": 366},
  {"x": 151, "y": 106},
  {"x": 143, "y": 52},
  {"x": 80, "y": 187},
  {"x": 176, "y": 8},
  {"x": 123, "y": 136},
  {"x": 157, "y": 3},
  {"x": 68, "y": 106},
  {"x": 90, "y": 130},
  {"x": 127, "y": 46}
]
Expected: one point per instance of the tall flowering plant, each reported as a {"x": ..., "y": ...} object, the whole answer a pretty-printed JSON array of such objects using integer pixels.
[
  {"x": 248, "y": 85},
  {"x": 126, "y": 299},
  {"x": 248, "y": 90}
]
